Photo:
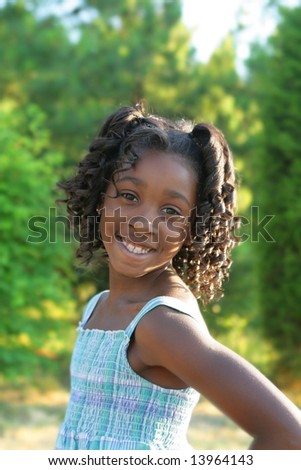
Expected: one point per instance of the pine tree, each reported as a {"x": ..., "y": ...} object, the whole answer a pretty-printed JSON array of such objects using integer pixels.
[{"x": 276, "y": 73}]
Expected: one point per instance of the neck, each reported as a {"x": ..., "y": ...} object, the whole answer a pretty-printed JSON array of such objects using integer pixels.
[{"x": 134, "y": 290}]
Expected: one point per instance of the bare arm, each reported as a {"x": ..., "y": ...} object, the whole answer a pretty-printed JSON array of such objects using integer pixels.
[{"x": 238, "y": 389}]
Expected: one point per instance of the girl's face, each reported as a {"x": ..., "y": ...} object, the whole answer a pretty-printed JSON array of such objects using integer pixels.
[{"x": 146, "y": 225}]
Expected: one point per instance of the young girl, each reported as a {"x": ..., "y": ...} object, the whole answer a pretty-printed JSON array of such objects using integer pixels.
[{"x": 158, "y": 198}]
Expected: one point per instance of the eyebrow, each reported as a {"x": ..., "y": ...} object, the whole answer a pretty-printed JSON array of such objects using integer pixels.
[
  {"x": 176, "y": 195},
  {"x": 135, "y": 180},
  {"x": 170, "y": 192}
]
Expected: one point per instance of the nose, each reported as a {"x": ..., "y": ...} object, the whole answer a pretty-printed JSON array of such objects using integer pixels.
[
  {"x": 141, "y": 224},
  {"x": 145, "y": 222}
]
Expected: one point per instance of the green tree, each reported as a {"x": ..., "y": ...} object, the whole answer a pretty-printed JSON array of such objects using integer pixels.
[
  {"x": 35, "y": 271},
  {"x": 131, "y": 51},
  {"x": 35, "y": 62},
  {"x": 275, "y": 73},
  {"x": 125, "y": 51}
]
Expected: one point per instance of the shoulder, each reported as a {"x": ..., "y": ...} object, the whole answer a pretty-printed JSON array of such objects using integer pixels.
[
  {"x": 172, "y": 311},
  {"x": 167, "y": 330}
]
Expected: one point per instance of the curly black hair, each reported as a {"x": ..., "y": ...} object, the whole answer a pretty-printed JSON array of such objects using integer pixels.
[{"x": 205, "y": 262}]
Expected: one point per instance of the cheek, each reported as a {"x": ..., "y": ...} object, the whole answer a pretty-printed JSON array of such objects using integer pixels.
[
  {"x": 176, "y": 231},
  {"x": 113, "y": 220}
]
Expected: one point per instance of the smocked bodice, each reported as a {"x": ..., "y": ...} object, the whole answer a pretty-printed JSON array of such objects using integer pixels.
[{"x": 111, "y": 406}]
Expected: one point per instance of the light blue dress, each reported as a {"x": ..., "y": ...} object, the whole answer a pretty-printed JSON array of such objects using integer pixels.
[{"x": 111, "y": 407}]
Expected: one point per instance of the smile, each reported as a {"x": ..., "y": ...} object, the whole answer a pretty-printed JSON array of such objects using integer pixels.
[{"x": 134, "y": 248}]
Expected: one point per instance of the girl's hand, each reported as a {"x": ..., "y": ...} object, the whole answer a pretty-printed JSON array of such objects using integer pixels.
[{"x": 179, "y": 344}]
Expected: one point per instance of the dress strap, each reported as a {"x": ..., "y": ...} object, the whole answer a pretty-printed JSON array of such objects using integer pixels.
[
  {"x": 189, "y": 309},
  {"x": 89, "y": 308}
]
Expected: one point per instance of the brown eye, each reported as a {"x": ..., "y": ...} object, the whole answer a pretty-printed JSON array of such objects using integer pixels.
[
  {"x": 171, "y": 211},
  {"x": 128, "y": 196}
]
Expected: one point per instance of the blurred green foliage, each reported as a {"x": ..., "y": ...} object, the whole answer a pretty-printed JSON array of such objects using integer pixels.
[
  {"x": 32, "y": 269},
  {"x": 60, "y": 76},
  {"x": 275, "y": 77}
]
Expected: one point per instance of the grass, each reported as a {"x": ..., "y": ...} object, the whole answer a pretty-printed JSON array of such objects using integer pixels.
[
  {"x": 211, "y": 430},
  {"x": 30, "y": 421}
]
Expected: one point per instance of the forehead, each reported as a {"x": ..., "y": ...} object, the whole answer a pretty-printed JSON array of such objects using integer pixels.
[
  {"x": 163, "y": 172},
  {"x": 163, "y": 165}
]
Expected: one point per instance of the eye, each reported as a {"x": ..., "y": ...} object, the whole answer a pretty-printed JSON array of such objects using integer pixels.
[
  {"x": 171, "y": 211},
  {"x": 128, "y": 196}
]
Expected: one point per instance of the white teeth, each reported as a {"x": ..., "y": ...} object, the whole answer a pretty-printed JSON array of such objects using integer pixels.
[{"x": 135, "y": 249}]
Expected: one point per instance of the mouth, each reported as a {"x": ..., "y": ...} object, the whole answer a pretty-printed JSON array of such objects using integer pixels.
[{"x": 133, "y": 248}]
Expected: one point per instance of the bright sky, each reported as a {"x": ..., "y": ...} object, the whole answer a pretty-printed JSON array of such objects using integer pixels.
[{"x": 213, "y": 19}]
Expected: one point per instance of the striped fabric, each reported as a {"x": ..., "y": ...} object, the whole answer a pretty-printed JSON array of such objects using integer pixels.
[{"x": 111, "y": 406}]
